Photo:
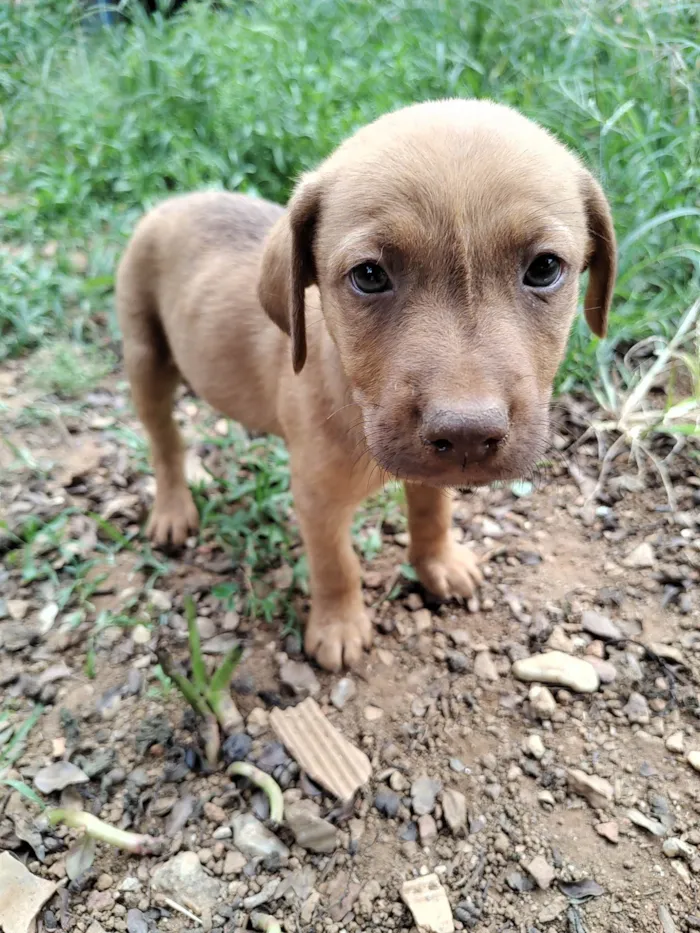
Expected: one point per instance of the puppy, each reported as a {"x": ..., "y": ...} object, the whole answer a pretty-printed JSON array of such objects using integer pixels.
[{"x": 403, "y": 317}]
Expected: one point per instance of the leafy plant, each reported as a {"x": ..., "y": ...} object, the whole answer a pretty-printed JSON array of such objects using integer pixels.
[{"x": 209, "y": 697}]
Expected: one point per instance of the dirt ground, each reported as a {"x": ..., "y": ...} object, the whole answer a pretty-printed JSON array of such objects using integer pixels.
[{"x": 613, "y": 581}]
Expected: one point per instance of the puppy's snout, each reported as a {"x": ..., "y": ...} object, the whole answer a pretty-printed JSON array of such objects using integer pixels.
[{"x": 466, "y": 433}]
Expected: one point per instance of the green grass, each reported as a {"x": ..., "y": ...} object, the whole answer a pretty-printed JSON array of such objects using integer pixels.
[{"x": 96, "y": 126}]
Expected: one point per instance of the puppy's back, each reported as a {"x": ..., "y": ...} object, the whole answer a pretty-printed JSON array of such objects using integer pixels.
[
  {"x": 186, "y": 291},
  {"x": 184, "y": 229}
]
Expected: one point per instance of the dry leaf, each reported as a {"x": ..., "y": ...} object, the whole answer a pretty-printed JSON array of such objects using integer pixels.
[
  {"x": 59, "y": 775},
  {"x": 81, "y": 856},
  {"x": 22, "y": 895}
]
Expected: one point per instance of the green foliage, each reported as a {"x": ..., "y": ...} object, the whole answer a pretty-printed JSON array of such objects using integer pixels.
[{"x": 97, "y": 125}]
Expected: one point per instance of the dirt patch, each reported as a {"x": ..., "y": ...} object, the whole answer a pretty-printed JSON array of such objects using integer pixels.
[{"x": 436, "y": 697}]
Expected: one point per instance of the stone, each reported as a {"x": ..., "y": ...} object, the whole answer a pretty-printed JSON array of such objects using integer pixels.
[
  {"x": 596, "y": 790},
  {"x": 484, "y": 668},
  {"x": 46, "y": 617},
  {"x": 457, "y": 662},
  {"x": 369, "y": 894},
  {"x": 343, "y": 691},
  {"x": 215, "y": 813},
  {"x": 373, "y": 713},
  {"x": 560, "y": 669},
  {"x": 427, "y": 829},
  {"x": 258, "y": 722},
  {"x": 600, "y": 626},
  {"x": 424, "y": 791},
  {"x": 609, "y": 830},
  {"x": 606, "y": 671},
  {"x": 136, "y": 921},
  {"x": 299, "y": 677},
  {"x": 693, "y": 760},
  {"x": 387, "y": 803},
  {"x": 423, "y": 621},
  {"x": 427, "y": 901},
  {"x": 17, "y": 609},
  {"x": 183, "y": 878},
  {"x": 460, "y": 638},
  {"x": 454, "y": 810},
  {"x": 234, "y": 863},
  {"x": 676, "y": 743},
  {"x": 104, "y": 882},
  {"x": 206, "y": 627},
  {"x": 309, "y": 908},
  {"x": 534, "y": 747},
  {"x": 398, "y": 782},
  {"x": 140, "y": 635},
  {"x": 666, "y": 920},
  {"x": 519, "y": 882},
  {"x": 237, "y": 747},
  {"x": 640, "y": 557},
  {"x": 14, "y": 636},
  {"x": 160, "y": 600},
  {"x": 219, "y": 644},
  {"x": 254, "y": 840},
  {"x": 541, "y": 872},
  {"x": 311, "y": 832},
  {"x": 637, "y": 709},
  {"x": 677, "y": 848},
  {"x": 655, "y": 827},
  {"x": 552, "y": 911},
  {"x": 560, "y": 641},
  {"x": 96, "y": 927},
  {"x": 542, "y": 703}
]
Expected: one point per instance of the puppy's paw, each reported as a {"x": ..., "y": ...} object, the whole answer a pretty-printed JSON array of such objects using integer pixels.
[
  {"x": 452, "y": 573},
  {"x": 337, "y": 636},
  {"x": 174, "y": 517}
]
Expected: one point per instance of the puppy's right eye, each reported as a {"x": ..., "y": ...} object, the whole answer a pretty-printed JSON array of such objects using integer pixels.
[{"x": 369, "y": 278}]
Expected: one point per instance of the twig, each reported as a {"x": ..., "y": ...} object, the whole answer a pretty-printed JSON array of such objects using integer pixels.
[{"x": 181, "y": 910}]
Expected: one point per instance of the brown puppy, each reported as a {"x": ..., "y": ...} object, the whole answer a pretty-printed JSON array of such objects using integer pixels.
[{"x": 427, "y": 274}]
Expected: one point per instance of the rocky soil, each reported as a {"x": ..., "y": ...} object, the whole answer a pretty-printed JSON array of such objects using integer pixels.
[{"x": 557, "y": 794}]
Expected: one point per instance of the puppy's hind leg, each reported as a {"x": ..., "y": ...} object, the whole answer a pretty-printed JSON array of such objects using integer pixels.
[{"x": 154, "y": 378}]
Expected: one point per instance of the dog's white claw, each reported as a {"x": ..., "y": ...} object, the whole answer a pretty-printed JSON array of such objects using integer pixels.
[
  {"x": 452, "y": 574},
  {"x": 173, "y": 519},
  {"x": 338, "y": 639}
]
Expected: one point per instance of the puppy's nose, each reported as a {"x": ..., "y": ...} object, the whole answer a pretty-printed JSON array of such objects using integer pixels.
[{"x": 467, "y": 433}]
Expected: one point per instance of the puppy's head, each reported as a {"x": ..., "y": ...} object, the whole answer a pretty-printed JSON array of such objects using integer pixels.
[{"x": 447, "y": 241}]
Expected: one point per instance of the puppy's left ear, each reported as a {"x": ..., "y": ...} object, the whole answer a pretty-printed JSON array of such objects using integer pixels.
[
  {"x": 288, "y": 267},
  {"x": 602, "y": 256}
]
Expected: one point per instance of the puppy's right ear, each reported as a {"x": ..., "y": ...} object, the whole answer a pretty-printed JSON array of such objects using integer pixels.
[{"x": 288, "y": 267}]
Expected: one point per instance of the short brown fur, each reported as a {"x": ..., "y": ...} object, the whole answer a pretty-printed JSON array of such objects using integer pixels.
[{"x": 454, "y": 199}]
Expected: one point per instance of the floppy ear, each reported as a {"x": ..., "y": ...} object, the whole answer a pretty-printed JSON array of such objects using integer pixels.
[
  {"x": 602, "y": 256},
  {"x": 288, "y": 266}
]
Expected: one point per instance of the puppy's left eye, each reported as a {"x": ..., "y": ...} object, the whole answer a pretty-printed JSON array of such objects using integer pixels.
[
  {"x": 544, "y": 271},
  {"x": 369, "y": 278}
]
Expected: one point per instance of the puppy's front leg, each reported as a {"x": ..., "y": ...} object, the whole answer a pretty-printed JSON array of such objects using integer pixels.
[
  {"x": 325, "y": 496},
  {"x": 444, "y": 567}
]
